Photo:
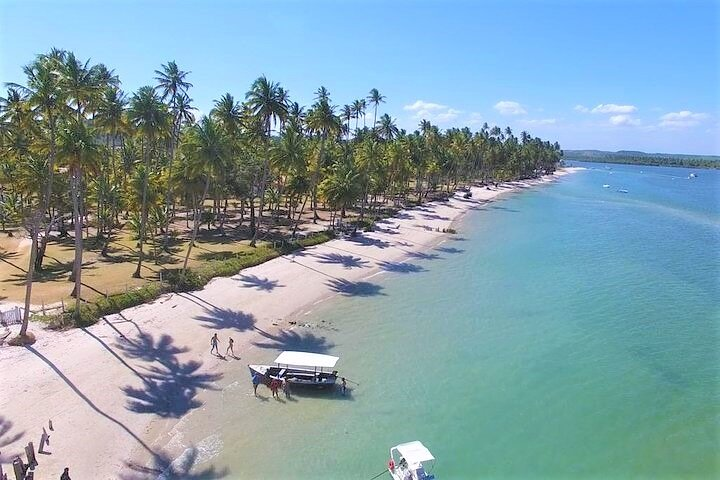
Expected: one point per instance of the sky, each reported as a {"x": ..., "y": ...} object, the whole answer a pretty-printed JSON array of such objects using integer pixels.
[{"x": 609, "y": 75}]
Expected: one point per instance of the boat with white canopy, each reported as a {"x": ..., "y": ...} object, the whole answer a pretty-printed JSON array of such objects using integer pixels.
[
  {"x": 300, "y": 368},
  {"x": 409, "y": 461}
]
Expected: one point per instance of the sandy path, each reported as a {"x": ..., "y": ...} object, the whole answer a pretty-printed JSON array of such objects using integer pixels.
[{"x": 114, "y": 390}]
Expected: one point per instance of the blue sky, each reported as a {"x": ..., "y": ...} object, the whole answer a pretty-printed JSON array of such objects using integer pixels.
[{"x": 590, "y": 74}]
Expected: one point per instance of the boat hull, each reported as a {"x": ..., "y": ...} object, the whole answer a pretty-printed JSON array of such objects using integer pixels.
[{"x": 297, "y": 377}]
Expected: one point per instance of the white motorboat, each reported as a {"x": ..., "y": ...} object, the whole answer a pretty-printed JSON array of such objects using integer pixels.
[
  {"x": 606, "y": 185},
  {"x": 299, "y": 369},
  {"x": 410, "y": 461}
]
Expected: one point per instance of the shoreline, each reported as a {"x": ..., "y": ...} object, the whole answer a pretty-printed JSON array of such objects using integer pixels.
[{"x": 157, "y": 354}]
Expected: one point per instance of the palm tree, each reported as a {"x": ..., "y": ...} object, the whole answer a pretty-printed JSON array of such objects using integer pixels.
[
  {"x": 347, "y": 114},
  {"x": 172, "y": 83},
  {"x": 374, "y": 98},
  {"x": 110, "y": 120},
  {"x": 387, "y": 130},
  {"x": 149, "y": 115},
  {"x": 207, "y": 151},
  {"x": 47, "y": 101},
  {"x": 358, "y": 108},
  {"x": 323, "y": 121},
  {"x": 341, "y": 187},
  {"x": 79, "y": 152},
  {"x": 266, "y": 102}
]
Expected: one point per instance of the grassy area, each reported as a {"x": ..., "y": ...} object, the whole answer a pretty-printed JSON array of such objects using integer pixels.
[{"x": 218, "y": 264}]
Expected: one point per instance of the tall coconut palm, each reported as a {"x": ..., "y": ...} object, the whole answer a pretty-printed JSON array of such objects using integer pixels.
[
  {"x": 347, "y": 114},
  {"x": 173, "y": 84},
  {"x": 375, "y": 99},
  {"x": 78, "y": 151},
  {"x": 149, "y": 115},
  {"x": 110, "y": 121},
  {"x": 266, "y": 102},
  {"x": 323, "y": 121},
  {"x": 47, "y": 100},
  {"x": 207, "y": 153},
  {"x": 358, "y": 108},
  {"x": 387, "y": 130}
]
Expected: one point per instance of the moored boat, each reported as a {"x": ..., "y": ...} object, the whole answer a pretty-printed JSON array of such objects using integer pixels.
[
  {"x": 409, "y": 461},
  {"x": 299, "y": 369}
]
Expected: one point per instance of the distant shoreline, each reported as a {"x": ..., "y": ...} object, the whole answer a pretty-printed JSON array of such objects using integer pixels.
[{"x": 707, "y": 162}]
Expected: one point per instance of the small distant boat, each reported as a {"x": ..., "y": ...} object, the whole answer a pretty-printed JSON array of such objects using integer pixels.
[
  {"x": 606, "y": 186},
  {"x": 693, "y": 175},
  {"x": 622, "y": 190},
  {"x": 407, "y": 462},
  {"x": 300, "y": 369}
]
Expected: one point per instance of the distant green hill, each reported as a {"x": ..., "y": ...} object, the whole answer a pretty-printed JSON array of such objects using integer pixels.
[{"x": 642, "y": 158}]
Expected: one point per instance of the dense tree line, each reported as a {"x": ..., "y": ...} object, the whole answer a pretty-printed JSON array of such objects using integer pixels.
[
  {"x": 637, "y": 158},
  {"x": 77, "y": 153}
]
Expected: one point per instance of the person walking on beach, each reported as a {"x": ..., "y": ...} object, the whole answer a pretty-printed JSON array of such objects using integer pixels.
[
  {"x": 66, "y": 474},
  {"x": 230, "y": 348},
  {"x": 214, "y": 344},
  {"x": 255, "y": 381}
]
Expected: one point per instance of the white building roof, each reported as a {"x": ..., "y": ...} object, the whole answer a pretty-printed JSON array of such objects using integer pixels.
[{"x": 306, "y": 359}]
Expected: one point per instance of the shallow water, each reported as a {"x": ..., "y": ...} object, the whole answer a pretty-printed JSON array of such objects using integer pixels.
[{"x": 568, "y": 331}]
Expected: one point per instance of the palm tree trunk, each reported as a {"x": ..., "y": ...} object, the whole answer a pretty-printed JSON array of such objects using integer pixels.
[
  {"x": 30, "y": 273},
  {"x": 77, "y": 264},
  {"x": 263, "y": 186},
  {"x": 143, "y": 214},
  {"x": 40, "y": 255},
  {"x": 196, "y": 222},
  {"x": 297, "y": 222},
  {"x": 168, "y": 219}
]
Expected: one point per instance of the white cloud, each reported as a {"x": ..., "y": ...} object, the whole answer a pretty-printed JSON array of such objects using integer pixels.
[
  {"x": 623, "y": 119},
  {"x": 421, "y": 105},
  {"x": 540, "y": 121},
  {"x": 613, "y": 108},
  {"x": 581, "y": 108},
  {"x": 507, "y": 107},
  {"x": 433, "y": 112},
  {"x": 684, "y": 118},
  {"x": 474, "y": 119}
]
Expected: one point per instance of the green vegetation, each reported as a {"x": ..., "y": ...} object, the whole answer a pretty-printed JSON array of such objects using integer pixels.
[
  {"x": 76, "y": 152},
  {"x": 641, "y": 158},
  {"x": 177, "y": 280}
]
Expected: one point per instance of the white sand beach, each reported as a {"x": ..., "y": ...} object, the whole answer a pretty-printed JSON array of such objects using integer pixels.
[{"x": 106, "y": 388}]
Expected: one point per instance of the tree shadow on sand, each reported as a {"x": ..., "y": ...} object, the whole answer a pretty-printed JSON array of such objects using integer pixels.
[
  {"x": 449, "y": 250},
  {"x": 354, "y": 289},
  {"x": 294, "y": 340},
  {"x": 6, "y": 438},
  {"x": 169, "y": 390},
  {"x": 347, "y": 261},
  {"x": 401, "y": 267},
  {"x": 168, "y": 386},
  {"x": 369, "y": 242},
  {"x": 253, "y": 281},
  {"x": 221, "y": 318},
  {"x": 423, "y": 255},
  {"x": 164, "y": 467}
]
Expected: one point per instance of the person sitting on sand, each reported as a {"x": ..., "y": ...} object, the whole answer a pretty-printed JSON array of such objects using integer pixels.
[{"x": 66, "y": 474}]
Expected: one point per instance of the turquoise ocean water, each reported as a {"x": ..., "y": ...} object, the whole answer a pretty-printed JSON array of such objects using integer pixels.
[{"x": 569, "y": 331}]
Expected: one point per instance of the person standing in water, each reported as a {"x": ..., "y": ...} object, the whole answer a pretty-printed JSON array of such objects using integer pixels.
[
  {"x": 343, "y": 386},
  {"x": 256, "y": 381},
  {"x": 214, "y": 344}
]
